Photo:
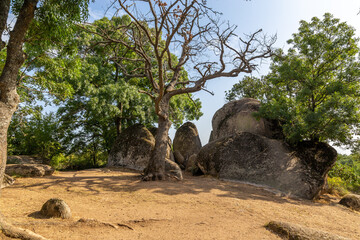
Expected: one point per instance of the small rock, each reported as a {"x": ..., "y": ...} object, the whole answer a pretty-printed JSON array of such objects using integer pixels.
[
  {"x": 351, "y": 201},
  {"x": 56, "y": 207},
  {"x": 298, "y": 232}
]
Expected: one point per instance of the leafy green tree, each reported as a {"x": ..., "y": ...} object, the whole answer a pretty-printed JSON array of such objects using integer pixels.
[
  {"x": 102, "y": 92},
  {"x": 41, "y": 22},
  {"x": 248, "y": 87},
  {"x": 34, "y": 134},
  {"x": 314, "y": 88}
]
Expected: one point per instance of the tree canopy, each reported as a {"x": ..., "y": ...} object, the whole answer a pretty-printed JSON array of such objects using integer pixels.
[{"x": 313, "y": 89}]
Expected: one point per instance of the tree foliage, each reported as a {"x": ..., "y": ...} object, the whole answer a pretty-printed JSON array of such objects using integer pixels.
[{"x": 313, "y": 89}]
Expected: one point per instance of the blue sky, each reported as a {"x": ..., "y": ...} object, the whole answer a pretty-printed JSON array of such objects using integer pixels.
[{"x": 280, "y": 17}]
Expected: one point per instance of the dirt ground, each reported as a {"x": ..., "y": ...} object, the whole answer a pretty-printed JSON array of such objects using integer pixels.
[{"x": 196, "y": 208}]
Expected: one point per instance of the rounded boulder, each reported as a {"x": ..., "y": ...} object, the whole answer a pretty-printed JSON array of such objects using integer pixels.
[
  {"x": 186, "y": 143},
  {"x": 56, "y": 208}
]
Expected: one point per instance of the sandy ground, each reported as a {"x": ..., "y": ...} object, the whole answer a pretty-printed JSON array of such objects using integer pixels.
[{"x": 195, "y": 208}]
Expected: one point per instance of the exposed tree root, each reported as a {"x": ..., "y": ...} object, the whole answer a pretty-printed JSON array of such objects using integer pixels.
[{"x": 15, "y": 232}]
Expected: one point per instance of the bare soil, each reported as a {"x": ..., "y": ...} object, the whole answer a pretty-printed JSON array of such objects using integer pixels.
[{"x": 115, "y": 204}]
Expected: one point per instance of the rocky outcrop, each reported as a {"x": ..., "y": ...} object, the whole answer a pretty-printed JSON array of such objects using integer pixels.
[
  {"x": 132, "y": 148},
  {"x": 298, "y": 232},
  {"x": 29, "y": 170},
  {"x": 237, "y": 116},
  {"x": 253, "y": 158},
  {"x": 56, "y": 208},
  {"x": 186, "y": 143},
  {"x": 351, "y": 201}
]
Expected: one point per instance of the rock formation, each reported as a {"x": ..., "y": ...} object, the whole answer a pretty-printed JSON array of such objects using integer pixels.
[
  {"x": 252, "y": 158},
  {"x": 132, "y": 148},
  {"x": 255, "y": 152},
  {"x": 29, "y": 170},
  {"x": 56, "y": 208},
  {"x": 186, "y": 143},
  {"x": 237, "y": 116}
]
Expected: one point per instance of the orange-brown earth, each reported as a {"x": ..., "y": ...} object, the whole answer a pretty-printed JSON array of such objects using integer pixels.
[{"x": 195, "y": 208}]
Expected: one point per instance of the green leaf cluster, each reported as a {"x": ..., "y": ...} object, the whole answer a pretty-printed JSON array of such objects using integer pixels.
[{"x": 313, "y": 89}]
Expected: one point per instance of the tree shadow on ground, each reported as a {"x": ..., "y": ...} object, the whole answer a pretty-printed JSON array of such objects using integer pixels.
[{"x": 124, "y": 180}]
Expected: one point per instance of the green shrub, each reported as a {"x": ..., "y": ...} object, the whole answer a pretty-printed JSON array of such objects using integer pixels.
[{"x": 345, "y": 175}]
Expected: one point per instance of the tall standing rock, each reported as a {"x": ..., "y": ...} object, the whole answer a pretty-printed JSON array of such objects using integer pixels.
[{"x": 186, "y": 143}]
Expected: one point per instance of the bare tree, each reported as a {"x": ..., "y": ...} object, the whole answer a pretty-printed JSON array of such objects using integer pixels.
[{"x": 190, "y": 30}]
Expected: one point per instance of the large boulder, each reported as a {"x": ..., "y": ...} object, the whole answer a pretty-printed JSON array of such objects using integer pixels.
[
  {"x": 132, "y": 148},
  {"x": 237, "y": 116},
  {"x": 256, "y": 159},
  {"x": 186, "y": 143},
  {"x": 29, "y": 170}
]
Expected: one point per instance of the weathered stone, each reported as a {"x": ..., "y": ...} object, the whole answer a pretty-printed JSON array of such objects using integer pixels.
[
  {"x": 173, "y": 169},
  {"x": 179, "y": 158},
  {"x": 56, "y": 208},
  {"x": 7, "y": 181},
  {"x": 351, "y": 201},
  {"x": 260, "y": 160},
  {"x": 186, "y": 143},
  {"x": 132, "y": 148},
  {"x": 237, "y": 116},
  {"x": 192, "y": 166},
  {"x": 298, "y": 232},
  {"x": 29, "y": 170}
]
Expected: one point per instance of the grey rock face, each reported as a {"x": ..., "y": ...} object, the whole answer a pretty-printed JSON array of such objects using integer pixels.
[
  {"x": 237, "y": 116},
  {"x": 132, "y": 148},
  {"x": 253, "y": 158},
  {"x": 186, "y": 143},
  {"x": 351, "y": 201},
  {"x": 56, "y": 208},
  {"x": 29, "y": 170}
]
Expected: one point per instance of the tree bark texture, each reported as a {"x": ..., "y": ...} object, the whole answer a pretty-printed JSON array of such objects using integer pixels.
[
  {"x": 156, "y": 167},
  {"x": 9, "y": 99}
]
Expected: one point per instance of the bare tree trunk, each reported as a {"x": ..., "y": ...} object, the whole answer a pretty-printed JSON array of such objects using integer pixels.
[
  {"x": 6, "y": 112},
  {"x": 156, "y": 167}
]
